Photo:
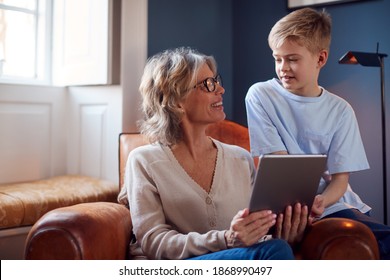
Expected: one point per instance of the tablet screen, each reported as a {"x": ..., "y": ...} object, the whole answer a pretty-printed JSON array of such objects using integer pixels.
[{"x": 283, "y": 180}]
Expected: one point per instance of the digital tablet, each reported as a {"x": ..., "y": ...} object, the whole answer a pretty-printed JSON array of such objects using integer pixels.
[{"x": 283, "y": 180}]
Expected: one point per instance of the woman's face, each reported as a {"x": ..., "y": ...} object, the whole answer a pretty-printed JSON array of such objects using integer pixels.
[{"x": 201, "y": 106}]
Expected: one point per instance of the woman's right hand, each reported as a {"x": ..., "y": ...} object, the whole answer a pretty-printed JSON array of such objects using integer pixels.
[
  {"x": 291, "y": 224},
  {"x": 247, "y": 228}
]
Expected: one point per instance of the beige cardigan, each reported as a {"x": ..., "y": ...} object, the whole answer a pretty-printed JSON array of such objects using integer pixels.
[{"x": 173, "y": 217}]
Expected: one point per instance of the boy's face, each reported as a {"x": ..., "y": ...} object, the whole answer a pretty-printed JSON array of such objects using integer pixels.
[{"x": 298, "y": 69}]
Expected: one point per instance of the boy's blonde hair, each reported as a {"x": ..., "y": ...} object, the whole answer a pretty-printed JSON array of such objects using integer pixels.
[{"x": 306, "y": 27}]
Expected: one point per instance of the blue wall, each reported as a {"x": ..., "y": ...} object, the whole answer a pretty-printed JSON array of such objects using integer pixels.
[
  {"x": 236, "y": 32},
  {"x": 201, "y": 24}
]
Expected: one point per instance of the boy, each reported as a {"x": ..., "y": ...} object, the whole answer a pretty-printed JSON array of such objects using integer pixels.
[{"x": 294, "y": 115}]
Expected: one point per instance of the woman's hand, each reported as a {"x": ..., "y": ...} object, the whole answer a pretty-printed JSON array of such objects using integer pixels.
[
  {"x": 291, "y": 225},
  {"x": 247, "y": 228}
]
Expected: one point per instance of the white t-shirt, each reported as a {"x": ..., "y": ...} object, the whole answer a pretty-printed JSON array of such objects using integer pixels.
[
  {"x": 173, "y": 217},
  {"x": 280, "y": 120}
]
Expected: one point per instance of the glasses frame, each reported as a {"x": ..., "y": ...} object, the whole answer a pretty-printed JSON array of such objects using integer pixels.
[{"x": 210, "y": 83}]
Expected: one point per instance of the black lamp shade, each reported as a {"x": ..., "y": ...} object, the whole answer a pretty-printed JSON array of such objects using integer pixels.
[{"x": 362, "y": 58}]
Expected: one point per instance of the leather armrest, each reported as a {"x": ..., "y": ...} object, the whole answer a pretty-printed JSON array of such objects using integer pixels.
[
  {"x": 339, "y": 239},
  {"x": 99, "y": 230},
  {"x": 102, "y": 230}
]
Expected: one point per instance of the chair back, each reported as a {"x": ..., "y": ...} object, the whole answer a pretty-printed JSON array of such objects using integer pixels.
[
  {"x": 127, "y": 143},
  {"x": 225, "y": 131},
  {"x": 230, "y": 132}
]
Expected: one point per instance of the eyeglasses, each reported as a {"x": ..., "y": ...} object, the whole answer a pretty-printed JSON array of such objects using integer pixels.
[{"x": 210, "y": 83}]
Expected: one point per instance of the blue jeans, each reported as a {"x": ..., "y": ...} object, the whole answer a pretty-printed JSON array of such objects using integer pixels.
[
  {"x": 381, "y": 231},
  {"x": 274, "y": 249}
]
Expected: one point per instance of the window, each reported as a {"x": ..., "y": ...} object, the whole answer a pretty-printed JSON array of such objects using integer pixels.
[
  {"x": 59, "y": 42},
  {"x": 24, "y": 41},
  {"x": 81, "y": 42}
]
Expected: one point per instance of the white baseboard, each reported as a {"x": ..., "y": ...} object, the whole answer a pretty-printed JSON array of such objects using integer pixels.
[{"x": 12, "y": 243}]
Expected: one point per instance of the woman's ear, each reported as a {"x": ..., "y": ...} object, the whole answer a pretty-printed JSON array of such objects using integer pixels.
[{"x": 180, "y": 107}]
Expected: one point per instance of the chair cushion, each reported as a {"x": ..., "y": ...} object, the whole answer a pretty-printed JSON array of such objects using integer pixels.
[{"x": 22, "y": 204}]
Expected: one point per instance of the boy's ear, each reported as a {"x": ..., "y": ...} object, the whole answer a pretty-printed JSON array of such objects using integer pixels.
[{"x": 322, "y": 58}]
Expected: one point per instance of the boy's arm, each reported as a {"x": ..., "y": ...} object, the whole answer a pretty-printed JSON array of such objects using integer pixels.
[
  {"x": 333, "y": 192},
  {"x": 279, "y": 153},
  {"x": 336, "y": 188}
]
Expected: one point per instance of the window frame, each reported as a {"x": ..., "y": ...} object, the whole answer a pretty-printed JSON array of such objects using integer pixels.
[{"x": 43, "y": 44}]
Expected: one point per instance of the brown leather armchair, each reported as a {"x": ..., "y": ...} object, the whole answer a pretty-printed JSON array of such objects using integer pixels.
[{"x": 102, "y": 230}]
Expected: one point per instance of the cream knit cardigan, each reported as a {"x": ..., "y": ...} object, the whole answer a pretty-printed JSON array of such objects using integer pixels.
[{"x": 173, "y": 217}]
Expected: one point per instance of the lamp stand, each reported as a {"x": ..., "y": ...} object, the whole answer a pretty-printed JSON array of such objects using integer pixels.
[
  {"x": 374, "y": 60},
  {"x": 384, "y": 150}
]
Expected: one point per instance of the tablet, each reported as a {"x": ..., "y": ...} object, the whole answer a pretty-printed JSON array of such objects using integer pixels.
[{"x": 283, "y": 180}]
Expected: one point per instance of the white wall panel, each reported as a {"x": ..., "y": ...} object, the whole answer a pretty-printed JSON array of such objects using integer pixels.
[
  {"x": 134, "y": 43},
  {"x": 93, "y": 131},
  {"x": 25, "y": 141},
  {"x": 32, "y": 133},
  {"x": 94, "y": 120}
]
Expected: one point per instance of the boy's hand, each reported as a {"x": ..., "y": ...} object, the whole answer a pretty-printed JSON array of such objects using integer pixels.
[
  {"x": 291, "y": 225},
  {"x": 317, "y": 209}
]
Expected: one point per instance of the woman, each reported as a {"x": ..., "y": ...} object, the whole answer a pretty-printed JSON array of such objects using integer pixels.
[{"x": 185, "y": 200}]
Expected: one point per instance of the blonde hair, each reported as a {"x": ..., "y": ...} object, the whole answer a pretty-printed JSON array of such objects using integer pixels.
[
  {"x": 167, "y": 79},
  {"x": 306, "y": 27}
]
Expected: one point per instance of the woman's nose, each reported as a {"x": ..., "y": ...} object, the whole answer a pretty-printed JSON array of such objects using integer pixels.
[{"x": 220, "y": 89}]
